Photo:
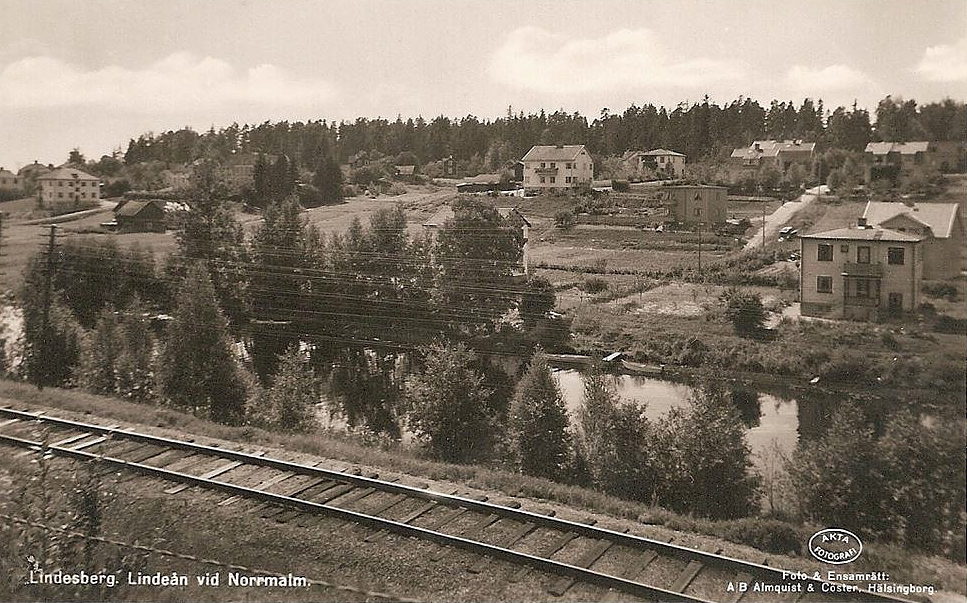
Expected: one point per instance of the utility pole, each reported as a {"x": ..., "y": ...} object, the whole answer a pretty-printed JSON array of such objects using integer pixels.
[
  {"x": 48, "y": 277},
  {"x": 699, "y": 250}
]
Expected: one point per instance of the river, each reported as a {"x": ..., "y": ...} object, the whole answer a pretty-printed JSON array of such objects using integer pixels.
[{"x": 772, "y": 420}]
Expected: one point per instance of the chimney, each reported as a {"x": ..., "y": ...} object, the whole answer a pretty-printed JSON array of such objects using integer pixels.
[{"x": 861, "y": 222}]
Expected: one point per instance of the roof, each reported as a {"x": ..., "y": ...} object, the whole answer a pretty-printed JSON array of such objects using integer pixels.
[
  {"x": 940, "y": 217},
  {"x": 63, "y": 173},
  {"x": 484, "y": 179},
  {"x": 864, "y": 234},
  {"x": 507, "y": 212},
  {"x": 405, "y": 169},
  {"x": 440, "y": 218},
  {"x": 4, "y": 172},
  {"x": 445, "y": 213},
  {"x": 656, "y": 152},
  {"x": 903, "y": 148},
  {"x": 133, "y": 208},
  {"x": 772, "y": 148},
  {"x": 36, "y": 166},
  {"x": 566, "y": 152}
]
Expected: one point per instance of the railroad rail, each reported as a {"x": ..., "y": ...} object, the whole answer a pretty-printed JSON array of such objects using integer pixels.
[{"x": 572, "y": 551}]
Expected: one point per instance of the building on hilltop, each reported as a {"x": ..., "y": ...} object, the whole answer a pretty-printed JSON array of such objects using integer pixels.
[
  {"x": 940, "y": 225},
  {"x": 10, "y": 181},
  {"x": 557, "y": 167},
  {"x": 860, "y": 273},
  {"x": 68, "y": 185},
  {"x": 778, "y": 153}
]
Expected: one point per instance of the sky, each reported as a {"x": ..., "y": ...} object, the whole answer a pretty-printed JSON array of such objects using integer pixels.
[{"x": 94, "y": 74}]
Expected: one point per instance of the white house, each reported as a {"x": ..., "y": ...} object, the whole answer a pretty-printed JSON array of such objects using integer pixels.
[{"x": 548, "y": 167}]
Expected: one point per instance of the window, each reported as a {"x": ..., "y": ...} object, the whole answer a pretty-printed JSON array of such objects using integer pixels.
[
  {"x": 567, "y": 179},
  {"x": 863, "y": 255},
  {"x": 61, "y": 183},
  {"x": 824, "y": 253},
  {"x": 824, "y": 284},
  {"x": 542, "y": 179},
  {"x": 698, "y": 211},
  {"x": 568, "y": 165},
  {"x": 844, "y": 248},
  {"x": 60, "y": 195},
  {"x": 862, "y": 288},
  {"x": 553, "y": 165},
  {"x": 894, "y": 255},
  {"x": 543, "y": 164},
  {"x": 661, "y": 160},
  {"x": 553, "y": 179}
]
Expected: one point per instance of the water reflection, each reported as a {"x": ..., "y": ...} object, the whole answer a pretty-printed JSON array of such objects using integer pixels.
[{"x": 772, "y": 420}]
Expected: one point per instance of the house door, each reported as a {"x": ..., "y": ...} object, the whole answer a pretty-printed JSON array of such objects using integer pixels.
[{"x": 895, "y": 302}]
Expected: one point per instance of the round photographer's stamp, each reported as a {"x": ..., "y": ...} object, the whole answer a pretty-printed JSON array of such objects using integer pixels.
[{"x": 835, "y": 545}]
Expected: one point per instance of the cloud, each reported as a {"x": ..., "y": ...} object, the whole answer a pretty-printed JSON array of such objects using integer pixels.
[
  {"x": 535, "y": 59},
  {"x": 945, "y": 63},
  {"x": 178, "y": 83},
  {"x": 831, "y": 79}
]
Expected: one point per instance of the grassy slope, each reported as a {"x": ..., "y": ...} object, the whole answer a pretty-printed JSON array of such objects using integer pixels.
[{"x": 641, "y": 518}]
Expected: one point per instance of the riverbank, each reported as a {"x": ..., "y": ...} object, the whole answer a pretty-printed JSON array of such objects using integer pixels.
[
  {"x": 866, "y": 361},
  {"x": 777, "y": 540}
]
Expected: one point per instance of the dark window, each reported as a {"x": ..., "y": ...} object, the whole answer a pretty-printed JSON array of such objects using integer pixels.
[
  {"x": 862, "y": 288},
  {"x": 862, "y": 255},
  {"x": 824, "y": 284},
  {"x": 698, "y": 211},
  {"x": 552, "y": 179},
  {"x": 844, "y": 248},
  {"x": 824, "y": 253},
  {"x": 894, "y": 255}
]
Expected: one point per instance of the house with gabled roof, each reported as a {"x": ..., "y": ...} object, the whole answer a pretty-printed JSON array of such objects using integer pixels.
[
  {"x": 557, "y": 167},
  {"x": 860, "y": 273},
  {"x": 146, "y": 215},
  {"x": 939, "y": 224}
]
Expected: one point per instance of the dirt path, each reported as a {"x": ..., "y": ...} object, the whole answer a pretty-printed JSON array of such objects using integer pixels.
[{"x": 778, "y": 218}]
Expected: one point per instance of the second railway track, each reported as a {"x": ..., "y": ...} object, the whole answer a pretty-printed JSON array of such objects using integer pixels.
[{"x": 572, "y": 551}]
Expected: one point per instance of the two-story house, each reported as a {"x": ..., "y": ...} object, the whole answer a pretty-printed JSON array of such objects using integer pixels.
[
  {"x": 940, "y": 225},
  {"x": 860, "y": 273},
  {"x": 779, "y": 153},
  {"x": 550, "y": 167},
  {"x": 887, "y": 160},
  {"x": 68, "y": 185},
  {"x": 696, "y": 204}
]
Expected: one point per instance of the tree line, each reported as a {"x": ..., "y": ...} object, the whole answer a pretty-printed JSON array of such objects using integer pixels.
[{"x": 702, "y": 130}]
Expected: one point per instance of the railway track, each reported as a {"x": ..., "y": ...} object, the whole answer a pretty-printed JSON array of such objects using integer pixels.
[{"x": 570, "y": 551}]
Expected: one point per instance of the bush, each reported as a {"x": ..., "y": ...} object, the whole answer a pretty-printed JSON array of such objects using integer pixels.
[
  {"x": 744, "y": 310},
  {"x": 564, "y": 220},
  {"x": 620, "y": 186},
  {"x": 944, "y": 290},
  {"x": 769, "y": 535},
  {"x": 594, "y": 285},
  {"x": 949, "y": 324}
]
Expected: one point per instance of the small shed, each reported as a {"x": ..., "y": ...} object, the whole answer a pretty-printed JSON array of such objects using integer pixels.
[{"x": 140, "y": 216}]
